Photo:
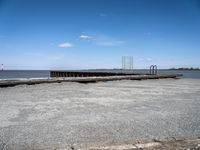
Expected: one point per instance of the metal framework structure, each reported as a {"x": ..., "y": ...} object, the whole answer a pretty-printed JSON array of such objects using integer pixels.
[
  {"x": 127, "y": 62},
  {"x": 153, "y": 70}
]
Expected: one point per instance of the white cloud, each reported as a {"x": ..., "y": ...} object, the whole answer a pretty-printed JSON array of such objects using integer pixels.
[
  {"x": 65, "y": 45},
  {"x": 85, "y": 37},
  {"x": 101, "y": 40}
]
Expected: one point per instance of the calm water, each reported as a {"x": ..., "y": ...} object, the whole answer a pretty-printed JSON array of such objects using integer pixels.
[
  {"x": 30, "y": 74},
  {"x": 23, "y": 74}
]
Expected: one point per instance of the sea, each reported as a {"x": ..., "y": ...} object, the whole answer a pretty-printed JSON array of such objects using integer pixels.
[{"x": 45, "y": 74}]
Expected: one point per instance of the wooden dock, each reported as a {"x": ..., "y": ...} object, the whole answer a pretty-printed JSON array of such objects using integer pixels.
[
  {"x": 88, "y": 79},
  {"x": 88, "y": 74}
]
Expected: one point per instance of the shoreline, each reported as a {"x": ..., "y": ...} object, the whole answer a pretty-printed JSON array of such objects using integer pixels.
[{"x": 7, "y": 83}]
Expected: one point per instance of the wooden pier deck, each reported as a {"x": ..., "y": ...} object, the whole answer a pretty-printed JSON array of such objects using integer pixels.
[
  {"x": 88, "y": 79},
  {"x": 89, "y": 73}
]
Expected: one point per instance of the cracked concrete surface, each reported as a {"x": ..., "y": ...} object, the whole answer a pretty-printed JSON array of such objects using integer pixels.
[{"x": 50, "y": 116}]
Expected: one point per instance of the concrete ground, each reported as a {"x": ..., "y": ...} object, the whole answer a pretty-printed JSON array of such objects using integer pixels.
[{"x": 74, "y": 115}]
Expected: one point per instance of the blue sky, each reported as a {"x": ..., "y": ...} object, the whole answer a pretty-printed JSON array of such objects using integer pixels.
[{"x": 83, "y": 34}]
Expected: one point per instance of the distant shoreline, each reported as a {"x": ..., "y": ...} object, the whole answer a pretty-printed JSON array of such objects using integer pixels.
[
  {"x": 100, "y": 69},
  {"x": 184, "y": 69}
]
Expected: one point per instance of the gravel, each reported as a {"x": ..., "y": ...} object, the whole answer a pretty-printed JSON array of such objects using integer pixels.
[{"x": 50, "y": 116}]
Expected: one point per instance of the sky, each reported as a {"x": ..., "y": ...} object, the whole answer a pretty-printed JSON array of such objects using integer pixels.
[{"x": 93, "y": 34}]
